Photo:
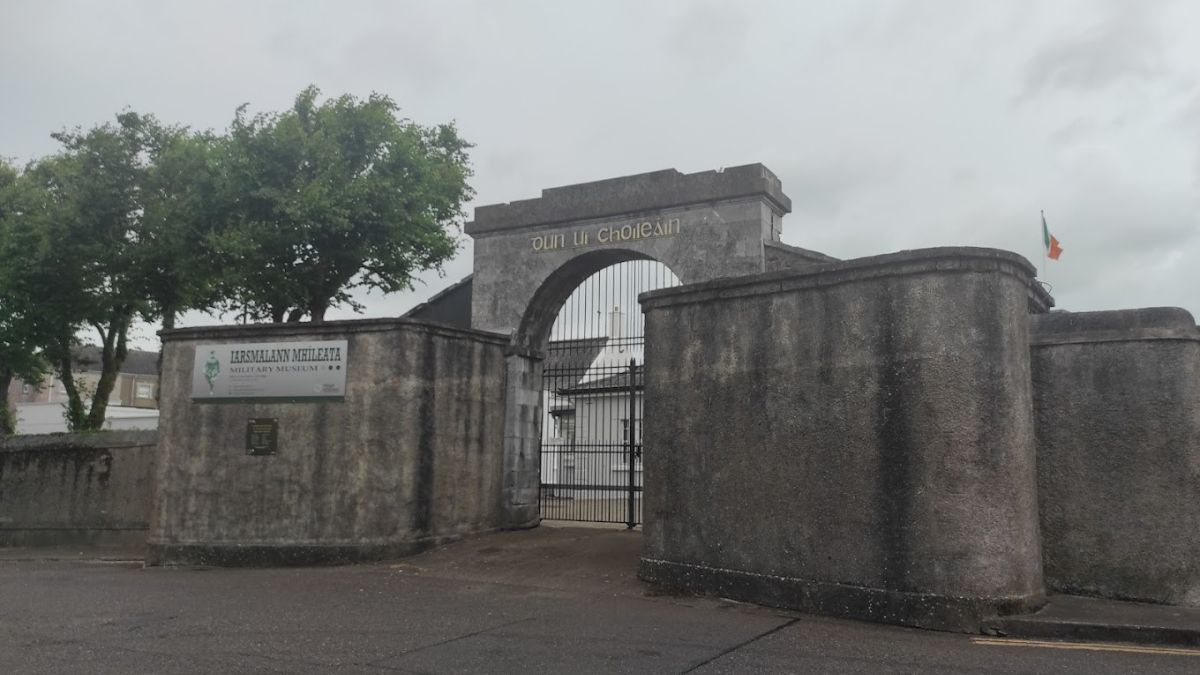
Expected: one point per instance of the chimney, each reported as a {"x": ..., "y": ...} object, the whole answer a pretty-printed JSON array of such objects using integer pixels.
[{"x": 616, "y": 327}]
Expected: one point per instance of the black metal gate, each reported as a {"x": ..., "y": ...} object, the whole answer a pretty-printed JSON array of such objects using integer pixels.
[{"x": 592, "y": 398}]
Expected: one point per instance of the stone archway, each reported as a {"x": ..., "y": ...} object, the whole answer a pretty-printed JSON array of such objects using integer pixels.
[
  {"x": 592, "y": 388},
  {"x": 530, "y": 254},
  {"x": 534, "y": 329},
  {"x": 703, "y": 226}
]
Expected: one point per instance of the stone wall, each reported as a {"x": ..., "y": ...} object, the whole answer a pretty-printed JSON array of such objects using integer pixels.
[
  {"x": 76, "y": 489},
  {"x": 1117, "y": 402},
  {"x": 410, "y": 458},
  {"x": 855, "y": 439}
]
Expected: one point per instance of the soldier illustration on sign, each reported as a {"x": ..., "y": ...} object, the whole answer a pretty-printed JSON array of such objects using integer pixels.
[{"x": 212, "y": 368}]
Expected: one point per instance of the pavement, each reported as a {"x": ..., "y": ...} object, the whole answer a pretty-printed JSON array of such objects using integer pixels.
[
  {"x": 1067, "y": 617},
  {"x": 543, "y": 600}
]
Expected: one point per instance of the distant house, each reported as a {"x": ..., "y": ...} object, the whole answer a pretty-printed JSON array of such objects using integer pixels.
[
  {"x": 601, "y": 413},
  {"x": 585, "y": 401},
  {"x": 133, "y": 403},
  {"x": 588, "y": 402},
  {"x": 567, "y": 363}
]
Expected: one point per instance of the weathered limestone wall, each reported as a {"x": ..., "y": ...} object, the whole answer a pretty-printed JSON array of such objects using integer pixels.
[
  {"x": 1117, "y": 402},
  {"x": 522, "y": 442},
  {"x": 410, "y": 458},
  {"x": 76, "y": 489},
  {"x": 856, "y": 439}
]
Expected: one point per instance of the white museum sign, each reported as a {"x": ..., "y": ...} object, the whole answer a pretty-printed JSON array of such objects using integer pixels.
[{"x": 274, "y": 370}]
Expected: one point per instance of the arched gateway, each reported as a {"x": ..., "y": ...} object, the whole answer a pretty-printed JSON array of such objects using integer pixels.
[
  {"x": 882, "y": 410},
  {"x": 531, "y": 254}
]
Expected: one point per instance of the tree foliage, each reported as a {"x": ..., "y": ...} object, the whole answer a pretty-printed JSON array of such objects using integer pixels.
[
  {"x": 123, "y": 213},
  {"x": 336, "y": 195},
  {"x": 22, "y": 334},
  {"x": 279, "y": 218},
  {"x": 183, "y": 207},
  {"x": 84, "y": 260}
]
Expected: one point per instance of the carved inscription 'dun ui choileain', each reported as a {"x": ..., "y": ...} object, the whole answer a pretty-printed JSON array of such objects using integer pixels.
[{"x": 609, "y": 234}]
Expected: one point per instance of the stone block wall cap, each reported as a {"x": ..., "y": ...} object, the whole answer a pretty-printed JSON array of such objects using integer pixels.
[
  {"x": 1115, "y": 319},
  {"x": 92, "y": 439},
  {"x": 631, "y": 194},
  {"x": 915, "y": 261},
  {"x": 1120, "y": 325},
  {"x": 324, "y": 330}
]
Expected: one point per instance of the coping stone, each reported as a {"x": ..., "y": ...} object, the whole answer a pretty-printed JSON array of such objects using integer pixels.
[
  {"x": 319, "y": 328},
  {"x": 631, "y": 194},
  {"x": 917, "y": 261}
]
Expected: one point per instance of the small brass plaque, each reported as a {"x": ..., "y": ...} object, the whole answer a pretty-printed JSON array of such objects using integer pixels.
[{"x": 262, "y": 436}]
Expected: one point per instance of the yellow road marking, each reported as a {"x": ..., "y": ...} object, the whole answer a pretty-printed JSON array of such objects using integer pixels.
[{"x": 1085, "y": 646}]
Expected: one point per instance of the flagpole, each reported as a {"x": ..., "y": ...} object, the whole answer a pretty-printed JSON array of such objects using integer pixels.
[{"x": 1045, "y": 260}]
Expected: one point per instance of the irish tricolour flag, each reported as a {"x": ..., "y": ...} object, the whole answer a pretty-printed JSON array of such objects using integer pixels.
[{"x": 1053, "y": 250}]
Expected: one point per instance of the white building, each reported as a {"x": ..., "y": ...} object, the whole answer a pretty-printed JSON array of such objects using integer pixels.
[{"x": 588, "y": 404}]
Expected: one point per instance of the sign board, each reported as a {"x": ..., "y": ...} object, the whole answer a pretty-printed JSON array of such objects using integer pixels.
[
  {"x": 262, "y": 436},
  {"x": 270, "y": 370}
]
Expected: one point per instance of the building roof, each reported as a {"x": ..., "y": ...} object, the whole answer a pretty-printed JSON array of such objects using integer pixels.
[
  {"x": 137, "y": 361},
  {"x": 618, "y": 382},
  {"x": 577, "y": 354},
  {"x": 450, "y": 306}
]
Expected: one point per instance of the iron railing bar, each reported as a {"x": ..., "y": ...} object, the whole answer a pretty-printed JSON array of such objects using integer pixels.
[{"x": 589, "y": 486}]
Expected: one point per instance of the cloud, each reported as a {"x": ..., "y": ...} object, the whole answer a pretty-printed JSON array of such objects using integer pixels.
[
  {"x": 824, "y": 187},
  {"x": 1188, "y": 121},
  {"x": 890, "y": 122},
  {"x": 1123, "y": 45},
  {"x": 709, "y": 36}
]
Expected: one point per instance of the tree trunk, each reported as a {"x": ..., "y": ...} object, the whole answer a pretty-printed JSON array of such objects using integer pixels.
[
  {"x": 295, "y": 315},
  {"x": 76, "y": 417},
  {"x": 112, "y": 357},
  {"x": 8, "y": 419},
  {"x": 317, "y": 311}
]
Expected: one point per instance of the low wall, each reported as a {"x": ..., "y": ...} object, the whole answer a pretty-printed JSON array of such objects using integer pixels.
[
  {"x": 854, "y": 440},
  {"x": 76, "y": 489},
  {"x": 1117, "y": 402},
  {"x": 411, "y": 457}
]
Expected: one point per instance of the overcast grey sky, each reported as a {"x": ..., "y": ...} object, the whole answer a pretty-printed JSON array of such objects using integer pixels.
[{"x": 893, "y": 125}]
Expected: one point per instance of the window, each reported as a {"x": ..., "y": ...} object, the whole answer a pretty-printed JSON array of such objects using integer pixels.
[
  {"x": 625, "y": 431},
  {"x": 566, "y": 427},
  {"x": 144, "y": 390}
]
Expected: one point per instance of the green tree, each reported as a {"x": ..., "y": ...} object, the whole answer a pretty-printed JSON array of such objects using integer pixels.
[
  {"x": 182, "y": 209},
  {"x": 331, "y": 196},
  {"x": 123, "y": 229},
  {"x": 118, "y": 225},
  {"x": 21, "y": 330},
  {"x": 84, "y": 256}
]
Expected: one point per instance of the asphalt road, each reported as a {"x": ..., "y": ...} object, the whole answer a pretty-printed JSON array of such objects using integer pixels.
[{"x": 549, "y": 600}]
